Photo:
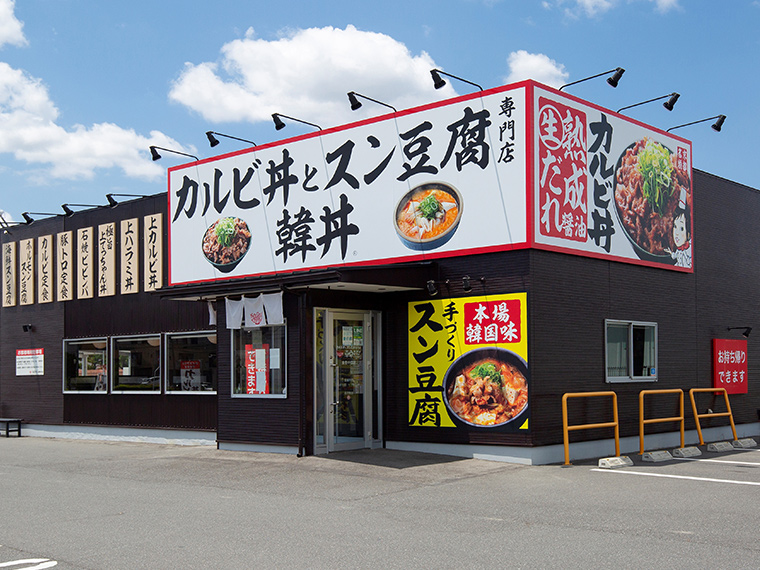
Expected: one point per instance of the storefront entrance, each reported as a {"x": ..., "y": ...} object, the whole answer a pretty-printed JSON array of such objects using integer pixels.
[{"x": 347, "y": 380}]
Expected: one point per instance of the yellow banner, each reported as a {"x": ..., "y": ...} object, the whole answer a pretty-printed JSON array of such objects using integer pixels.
[{"x": 443, "y": 330}]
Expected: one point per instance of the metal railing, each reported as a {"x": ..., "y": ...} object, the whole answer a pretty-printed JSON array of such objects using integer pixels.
[
  {"x": 642, "y": 421},
  {"x": 568, "y": 428},
  {"x": 711, "y": 414}
]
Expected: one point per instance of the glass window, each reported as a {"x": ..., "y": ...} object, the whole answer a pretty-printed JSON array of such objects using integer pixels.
[
  {"x": 258, "y": 362},
  {"x": 631, "y": 350},
  {"x": 84, "y": 365},
  {"x": 137, "y": 365},
  {"x": 191, "y": 363}
]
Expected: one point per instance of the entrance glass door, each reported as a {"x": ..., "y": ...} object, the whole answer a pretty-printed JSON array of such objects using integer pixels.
[
  {"x": 348, "y": 375},
  {"x": 346, "y": 387}
]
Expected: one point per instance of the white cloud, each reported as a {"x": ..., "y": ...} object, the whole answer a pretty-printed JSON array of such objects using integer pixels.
[
  {"x": 595, "y": 7},
  {"x": 11, "y": 30},
  {"x": 666, "y": 5},
  {"x": 537, "y": 66},
  {"x": 306, "y": 74},
  {"x": 29, "y": 131},
  {"x": 592, "y": 8}
]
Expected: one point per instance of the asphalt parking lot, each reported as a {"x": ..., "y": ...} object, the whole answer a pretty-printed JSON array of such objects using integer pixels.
[{"x": 74, "y": 504}]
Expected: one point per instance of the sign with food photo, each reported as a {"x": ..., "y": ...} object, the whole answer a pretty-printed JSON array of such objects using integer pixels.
[
  {"x": 444, "y": 179},
  {"x": 468, "y": 363},
  {"x": 608, "y": 186}
]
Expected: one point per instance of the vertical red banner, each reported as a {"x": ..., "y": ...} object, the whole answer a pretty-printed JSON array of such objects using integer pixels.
[
  {"x": 256, "y": 370},
  {"x": 730, "y": 365},
  {"x": 563, "y": 171}
]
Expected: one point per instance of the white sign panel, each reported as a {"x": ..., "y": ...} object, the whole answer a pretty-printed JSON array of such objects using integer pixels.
[
  {"x": 30, "y": 362},
  {"x": 130, "y": 256},
  {"x": 65, "y": 264},
  {"x": 45, "y": 269},
  {"x": 608, "y": 186},
  {"x": 85, "y": 270},
  {"x": 106, "y": 260},
  {"x": 26, "y": 272},
  {"x": 9, "y": 274},
  {"x": 436, "y": 181},
  {"x": 153, "y": 273}
]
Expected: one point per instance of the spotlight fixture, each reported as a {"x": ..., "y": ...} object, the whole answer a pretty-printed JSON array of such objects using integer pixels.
[
  {"x": 154, "y": 153},
  {"x": 112, "y": 202},
  {"x": 29, "y": 219},
  {"x": 279, "y": 125},
  {"x": 439, "y": 82},
  {"x": 716, "y": 126},
  {"x": 213, "y": 141},
  {"x": 466, "y": 284},
  {"x": 70, "y": 212},
  {"x": 613, "y": 81},
  {"x": 669, "y": 104},
  {"x": 745, "y": 330},
  {"x": 27, "y": 328},
  {"x": 356, "y": 104},
  {"x": 431, "y": 288}
]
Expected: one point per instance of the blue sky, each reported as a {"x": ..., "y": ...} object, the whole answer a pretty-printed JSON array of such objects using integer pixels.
[{"x": 86, "y": 86}]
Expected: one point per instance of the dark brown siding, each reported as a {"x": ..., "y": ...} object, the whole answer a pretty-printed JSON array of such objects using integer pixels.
[
  {"x": 41, "y": 399},
  {"x": 504, "y": 273},
  {"x": 569, "y": 298},
  {"x": 262, "y": 421}
]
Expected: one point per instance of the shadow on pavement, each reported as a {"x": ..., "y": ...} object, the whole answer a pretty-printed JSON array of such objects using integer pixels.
[{"x": 391, "y": 458}]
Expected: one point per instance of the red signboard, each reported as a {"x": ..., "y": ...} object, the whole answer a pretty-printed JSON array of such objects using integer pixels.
[
  {"x": 563, "y": 170},
  {"x": 256, "y": 370},
  {"x": 730, "y": 365}
]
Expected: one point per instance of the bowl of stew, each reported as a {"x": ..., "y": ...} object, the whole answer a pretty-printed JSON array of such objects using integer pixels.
[
  {"x": 486, "y": 387},
  {"x": 427, "y": 216}
]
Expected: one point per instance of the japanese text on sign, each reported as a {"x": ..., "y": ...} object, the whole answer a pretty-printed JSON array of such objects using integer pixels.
[
  {"x": 442, "y": 330},
  {"x": 329, "y": 200}
]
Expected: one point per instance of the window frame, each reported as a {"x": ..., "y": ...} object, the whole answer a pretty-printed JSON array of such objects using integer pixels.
[
  {"x": 167, "y": 344},
  {"x": 113, "y": 350},
  {"x": 630, "y": 377},
  {"x": 283, "y": 362},
  {"x": 90, "y": 340}
]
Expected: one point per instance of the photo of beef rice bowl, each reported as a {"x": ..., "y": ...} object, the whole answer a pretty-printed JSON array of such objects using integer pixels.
[
  {"x": 651, "y": 192},
  {"x": 225, "y": 243}
]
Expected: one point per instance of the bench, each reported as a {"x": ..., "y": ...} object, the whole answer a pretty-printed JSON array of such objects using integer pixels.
[{"x": 10, "y": 422}]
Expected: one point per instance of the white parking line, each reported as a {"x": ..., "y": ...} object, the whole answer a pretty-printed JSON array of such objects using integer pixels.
[
  {"x": 39, "y": 564},
  {"x": 708, "y": 479},
  {"x": 717, "y": 461}
]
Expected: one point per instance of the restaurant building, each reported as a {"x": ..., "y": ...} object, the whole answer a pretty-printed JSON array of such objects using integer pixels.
[{"x": 433, "y": 279}]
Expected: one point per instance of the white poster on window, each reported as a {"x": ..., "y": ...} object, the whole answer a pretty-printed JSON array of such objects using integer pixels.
[{"x": 191, "y": 375}]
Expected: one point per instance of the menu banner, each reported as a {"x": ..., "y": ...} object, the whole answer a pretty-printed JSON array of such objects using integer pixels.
[
  {"x": 468, "y": 363},
  {"x": 608, "y": 186},
  {"x": 9, "y": 274},
  {"x": 441, "y": 180}
]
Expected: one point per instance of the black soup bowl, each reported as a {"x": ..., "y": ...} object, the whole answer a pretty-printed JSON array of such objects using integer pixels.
[{"x": 469, "y": 359}]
